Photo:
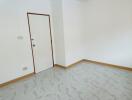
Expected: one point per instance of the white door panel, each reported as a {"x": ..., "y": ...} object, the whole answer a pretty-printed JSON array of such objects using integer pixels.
[{"x": 41, "y": 40}]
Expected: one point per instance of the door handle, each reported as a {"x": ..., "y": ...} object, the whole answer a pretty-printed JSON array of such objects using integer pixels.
[
  {"x": 33, "y": 45},
  {"x": 32, "y": 39}
]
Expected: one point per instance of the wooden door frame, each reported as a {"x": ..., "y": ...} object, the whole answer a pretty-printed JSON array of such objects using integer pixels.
[{"x": 29, "y": 13}]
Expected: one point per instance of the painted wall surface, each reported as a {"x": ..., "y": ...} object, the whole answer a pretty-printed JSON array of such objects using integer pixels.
[
  {"x": 68, "y": 27},
  {"x": 58, "y": 31},
  {"x": 15, "y": 52},
  {"x": 98, "y": 30},
  {"x": 109, "y": 31},
  {"x": 73, "y": 15}
]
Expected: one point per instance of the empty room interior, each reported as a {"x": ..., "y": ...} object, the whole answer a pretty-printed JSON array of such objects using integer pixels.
[{"x": 66, "y": 50}]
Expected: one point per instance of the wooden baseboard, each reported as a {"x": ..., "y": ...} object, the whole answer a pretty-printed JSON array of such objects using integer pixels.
[
  {"x": 97, "y": 62},
  {"x": 109, "y": 65},
  {"x": 73, "y": 64},
  {"x": 60, "y": 65},
  {"x": 69, "y": 66},
  {"x": 16, "y": 80}
]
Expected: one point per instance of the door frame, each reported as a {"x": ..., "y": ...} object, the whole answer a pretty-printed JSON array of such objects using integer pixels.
[{"x": 28, "y": 19}]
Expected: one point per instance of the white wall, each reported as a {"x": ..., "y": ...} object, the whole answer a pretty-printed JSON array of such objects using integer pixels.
[
  {"x": 15, "y": 53},
  {"x": 68, "y": 24},
  {"x": 58, "y": 31},
  {"x": 109, "y": 31},
  {"x": 98, "y": 30},
  {"x": 73, "y": 15}
]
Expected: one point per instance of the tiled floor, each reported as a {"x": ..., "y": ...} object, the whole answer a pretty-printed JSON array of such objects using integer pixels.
[{"x": 86, "y": 81}]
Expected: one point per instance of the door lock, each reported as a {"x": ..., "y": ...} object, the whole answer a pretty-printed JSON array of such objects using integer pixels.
[
  {"x": 32, "y": 39},
  {"x": 33, "y": 45}
]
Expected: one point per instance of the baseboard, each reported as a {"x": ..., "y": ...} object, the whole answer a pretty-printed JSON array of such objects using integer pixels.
[
  {"x": 109, "y": 65},
  {"x": 16, "y": 80},
  {"x": 73, "y": 64},
  {"x": 60, "y": 65},
  {"x": 97, "y": 62},
  {"x": 69, "y": 66}
]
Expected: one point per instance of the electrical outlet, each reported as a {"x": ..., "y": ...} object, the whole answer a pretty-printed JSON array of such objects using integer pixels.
[{"x": 25, "y": 68}]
